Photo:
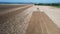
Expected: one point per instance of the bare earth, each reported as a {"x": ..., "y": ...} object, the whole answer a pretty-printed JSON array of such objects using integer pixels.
[
  {"x": 52, "y": 12},
  {"x": 40, "y": 23},
  {"x": 14, "y": 19},
  {"x": 4, "y": 17}
]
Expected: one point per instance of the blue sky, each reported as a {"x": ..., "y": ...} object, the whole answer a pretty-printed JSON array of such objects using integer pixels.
[{"x": 37, "y": 1}]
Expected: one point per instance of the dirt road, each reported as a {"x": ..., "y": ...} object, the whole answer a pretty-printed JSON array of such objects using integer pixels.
[
  {"x": 40, "y": 23},
  {"x": 52, "y": 12},
  {"x": 15, "y": 19}
]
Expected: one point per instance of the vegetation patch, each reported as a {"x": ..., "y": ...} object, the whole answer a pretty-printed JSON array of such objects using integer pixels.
[{"x": 50, "y": 4}]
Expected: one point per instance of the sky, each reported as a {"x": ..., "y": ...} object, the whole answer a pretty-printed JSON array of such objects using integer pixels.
[{"x": 35, "y": 1}]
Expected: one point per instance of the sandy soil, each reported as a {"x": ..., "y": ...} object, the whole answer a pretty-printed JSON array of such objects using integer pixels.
[
  {"x": 11, "y": 8},
  {"x": 52, "y": 12},
  {"x": 14, "y": 21},
  {"x": 43, "y": 21},
  {"x": 6, "y": 16},
  {"x": 7, "y": 7},
  {"x": 40, "y": 23}
]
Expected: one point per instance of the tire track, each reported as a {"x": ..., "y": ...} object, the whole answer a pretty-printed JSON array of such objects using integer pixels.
[{"x": 40, "y": 23}]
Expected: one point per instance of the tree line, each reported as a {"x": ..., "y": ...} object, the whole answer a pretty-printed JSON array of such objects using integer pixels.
[{"x": 49, "y": 4}]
